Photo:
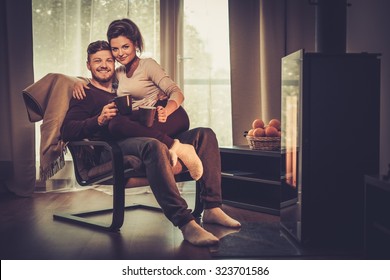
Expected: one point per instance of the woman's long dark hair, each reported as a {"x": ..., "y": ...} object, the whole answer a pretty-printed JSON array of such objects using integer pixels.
[{"x": 127, "y": 28}]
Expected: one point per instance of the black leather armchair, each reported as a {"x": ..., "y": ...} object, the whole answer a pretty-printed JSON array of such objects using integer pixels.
[
  {"x": 47, "y": 100},
  {"x": 121, "y": 172}
]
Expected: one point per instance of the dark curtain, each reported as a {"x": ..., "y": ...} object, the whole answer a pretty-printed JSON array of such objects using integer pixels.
[
  {"x": 261, "y": 33},
  {"x": 244, "y": 65},
  {"x": 17, "y": 149},
  {"x": 257, "y": 43}
]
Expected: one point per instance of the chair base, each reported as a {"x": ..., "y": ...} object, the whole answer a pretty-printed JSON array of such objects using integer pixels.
[
  {"x": 117, "y": 216},
  {"x": 81, "y": 218},
  {"x": 118, "y": 210},
  {"x": 118, "y": 176}
]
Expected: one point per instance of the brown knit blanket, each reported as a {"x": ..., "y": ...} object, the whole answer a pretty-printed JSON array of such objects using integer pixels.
[{"x": 48, "y": 100}]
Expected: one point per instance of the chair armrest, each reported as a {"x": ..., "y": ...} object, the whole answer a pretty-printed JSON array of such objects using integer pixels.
[
  {"x": 116, "y": 157},
  {"x": 111, "y": 146},
  {"x": 107, "y": 144}
]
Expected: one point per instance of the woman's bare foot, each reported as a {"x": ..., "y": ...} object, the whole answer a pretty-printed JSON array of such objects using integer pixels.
[
  {"x": 187, "y": 154},
  {"x": 172, "y": 158},
  {"x": 217, "y": 216},
  {"x": 196, "y": 235}
]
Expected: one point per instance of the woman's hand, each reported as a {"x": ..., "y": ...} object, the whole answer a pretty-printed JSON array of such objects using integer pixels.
[
  {"x": 162, "y": 114},
  {"x": 109, "y": 111},
  {"x": 78, "y": 90}
]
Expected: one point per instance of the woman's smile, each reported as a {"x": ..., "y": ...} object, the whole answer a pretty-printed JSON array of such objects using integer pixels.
[{"x": 123, "y": 49}]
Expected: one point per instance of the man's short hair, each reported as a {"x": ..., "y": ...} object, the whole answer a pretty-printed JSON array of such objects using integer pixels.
[{"x": 96, "y": 46}]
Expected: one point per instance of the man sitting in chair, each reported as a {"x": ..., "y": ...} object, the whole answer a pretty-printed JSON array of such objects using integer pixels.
[{"x": 88, "y": 118}]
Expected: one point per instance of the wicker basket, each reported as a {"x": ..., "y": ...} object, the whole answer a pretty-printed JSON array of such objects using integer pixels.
[{"x": 264, "y": 143}]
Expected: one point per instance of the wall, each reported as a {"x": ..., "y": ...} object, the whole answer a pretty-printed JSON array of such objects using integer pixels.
[
  {"x": 367, "y": 31},
  {"x": 300, "y": 26}
]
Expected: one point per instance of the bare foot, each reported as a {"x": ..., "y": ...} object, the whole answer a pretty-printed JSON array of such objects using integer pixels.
[
  {"x": 217, "y": 216},
  {"x": 220, "y": 231},
  {"x": 196, "y": 235},
  {"x": 172, "y": 158},
  {"x": 188, "y": 155}
]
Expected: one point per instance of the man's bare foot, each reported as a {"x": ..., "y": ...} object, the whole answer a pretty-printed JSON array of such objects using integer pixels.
[
  {"x": 217, "y": 216},
  {"x": 196, "y": 235},
  {"x": 220, "y": 231}
]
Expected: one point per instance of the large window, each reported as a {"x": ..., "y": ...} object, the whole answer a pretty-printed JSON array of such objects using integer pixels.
[
  {"x": 62, "y": 30},
  {"x": 206, "y": 66}
]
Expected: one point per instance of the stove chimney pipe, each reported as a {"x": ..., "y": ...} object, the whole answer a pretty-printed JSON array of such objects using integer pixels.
[{"x": 331, "y": 26}]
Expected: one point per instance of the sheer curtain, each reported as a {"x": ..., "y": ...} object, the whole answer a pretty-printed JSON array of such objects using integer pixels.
[{"x": 63, "y": 30}]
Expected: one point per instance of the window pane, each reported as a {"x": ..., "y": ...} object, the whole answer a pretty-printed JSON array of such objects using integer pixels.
[
  {"x": 62, "y": 30},
  {"x": 207, "y": 66}
]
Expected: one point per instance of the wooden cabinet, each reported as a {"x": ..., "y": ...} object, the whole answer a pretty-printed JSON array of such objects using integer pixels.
[{"x": 251, "y": 178}]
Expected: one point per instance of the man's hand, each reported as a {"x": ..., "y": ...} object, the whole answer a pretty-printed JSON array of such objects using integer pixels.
[{"x": 109, "y": 111}]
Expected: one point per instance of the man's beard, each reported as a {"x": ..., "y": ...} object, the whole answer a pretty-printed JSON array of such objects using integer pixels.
[{"x": 102, "y": 80}]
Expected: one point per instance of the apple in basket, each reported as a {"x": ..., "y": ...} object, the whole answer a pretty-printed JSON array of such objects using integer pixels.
[
  {"x": 275, "y": 123},
  {"x": 259, "y": 129},
  {"x": 271, "y": 131},
  {"x": 259, "y": 132},
  {"x": 257, "y": 123},
  {"x": 273, "y": 128}
]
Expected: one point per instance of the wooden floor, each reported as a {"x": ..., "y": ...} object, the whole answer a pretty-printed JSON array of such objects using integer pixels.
[{"x": 28, "y": 231}]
